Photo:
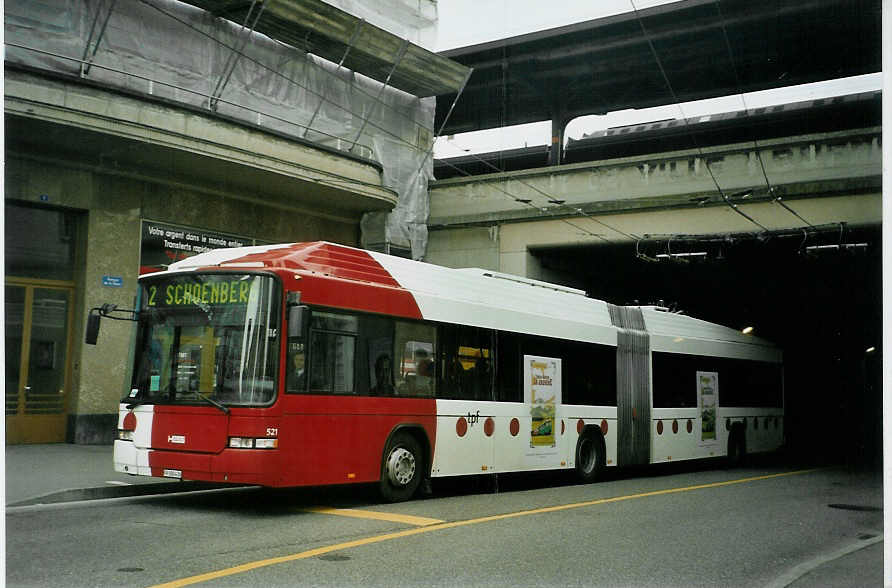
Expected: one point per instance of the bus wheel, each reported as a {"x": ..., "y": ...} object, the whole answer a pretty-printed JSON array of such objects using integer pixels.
[
  {"x": 589, "y": 457},
  {"x": 401, "y": 469},
  {"x": 736, "y": 447}
]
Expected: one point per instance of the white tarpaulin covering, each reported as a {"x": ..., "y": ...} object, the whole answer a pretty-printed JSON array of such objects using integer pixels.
[{"x": 178, "y": 52}]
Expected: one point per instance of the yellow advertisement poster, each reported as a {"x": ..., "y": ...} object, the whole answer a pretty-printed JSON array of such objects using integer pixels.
[{"x": 542, "y": 394}]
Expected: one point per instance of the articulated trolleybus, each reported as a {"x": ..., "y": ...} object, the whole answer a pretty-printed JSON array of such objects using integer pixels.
[{"x": 315, "y": 364}]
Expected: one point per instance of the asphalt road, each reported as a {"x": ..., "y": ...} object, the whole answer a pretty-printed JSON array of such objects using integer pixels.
[{"x": 759, "y": 526}]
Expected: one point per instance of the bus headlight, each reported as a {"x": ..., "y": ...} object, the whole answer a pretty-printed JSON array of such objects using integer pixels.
[{"x": 252, "y": 443}]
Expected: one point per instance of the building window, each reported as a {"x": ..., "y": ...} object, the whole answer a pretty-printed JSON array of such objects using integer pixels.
[{"x": 51, "y": 257}]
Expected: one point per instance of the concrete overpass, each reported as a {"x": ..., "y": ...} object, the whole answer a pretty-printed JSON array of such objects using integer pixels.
[
  {"x": 701, "y": 230},
  {"x": 676, "y": 52},
  {"x": 498, "y": 220}
]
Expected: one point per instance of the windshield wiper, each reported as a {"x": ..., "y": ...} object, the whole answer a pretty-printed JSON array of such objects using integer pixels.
[{"x": 210, "y": 400}]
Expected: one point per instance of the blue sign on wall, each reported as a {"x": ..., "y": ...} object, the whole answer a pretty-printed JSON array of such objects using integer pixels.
[{"x": 113, "y": 281}]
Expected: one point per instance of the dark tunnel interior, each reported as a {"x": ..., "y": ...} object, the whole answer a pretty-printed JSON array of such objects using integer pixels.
[{"x": 822, "y": 306}]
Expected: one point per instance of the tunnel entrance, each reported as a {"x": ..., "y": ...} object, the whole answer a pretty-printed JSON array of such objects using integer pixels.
[{"x": 819, "y": 299}]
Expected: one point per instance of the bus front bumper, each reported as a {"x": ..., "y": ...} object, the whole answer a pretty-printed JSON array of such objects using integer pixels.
[{"x": 237, "y": 466}]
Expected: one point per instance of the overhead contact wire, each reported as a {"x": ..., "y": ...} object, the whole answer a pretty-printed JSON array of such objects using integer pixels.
[
  {"x": 550, "y": 198},
  {"x": 699, "y": 149},
  {"x": 777, "y": 198},
  {"x": 528, "y": 203}
]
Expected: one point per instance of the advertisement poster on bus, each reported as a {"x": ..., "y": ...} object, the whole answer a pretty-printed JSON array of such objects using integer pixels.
[
  {"x": 542, "y": 393},
  {"x": 162, "y": 244},
  {"x": 708, "y": 404}
]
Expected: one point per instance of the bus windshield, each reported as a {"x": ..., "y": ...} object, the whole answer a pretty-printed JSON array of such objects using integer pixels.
[{"x": 207, "y": 338}]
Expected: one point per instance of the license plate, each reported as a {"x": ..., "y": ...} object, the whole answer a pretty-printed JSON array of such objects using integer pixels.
[{"x": 173, "y": 473}]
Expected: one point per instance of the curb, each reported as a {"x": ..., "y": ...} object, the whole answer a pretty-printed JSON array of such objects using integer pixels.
[
  {"x": 79, "y": 494},
  {"x": 799, "y": 571}
]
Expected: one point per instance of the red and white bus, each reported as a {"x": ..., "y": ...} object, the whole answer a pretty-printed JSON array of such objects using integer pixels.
[{"x": 315, "y": 364}]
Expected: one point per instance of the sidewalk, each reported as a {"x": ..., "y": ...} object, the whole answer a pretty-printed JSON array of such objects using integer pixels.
[
  {"x": 62, "y": 472},
  {"x": 863, "y": 567}
]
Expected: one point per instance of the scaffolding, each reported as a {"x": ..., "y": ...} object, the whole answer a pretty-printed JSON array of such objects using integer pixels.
[{"x": 304, "y": 68}]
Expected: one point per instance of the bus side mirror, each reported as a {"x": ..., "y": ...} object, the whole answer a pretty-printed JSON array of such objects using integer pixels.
[
  {"x": 296, "y": 317},
  {"x": 92, "y": 328}
]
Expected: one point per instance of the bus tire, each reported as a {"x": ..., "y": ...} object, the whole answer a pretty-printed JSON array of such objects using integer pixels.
[
  {"x": 589, "y": 455},
  {"x": 736, "y": 446},
  {"x": 401, "y": 469}
]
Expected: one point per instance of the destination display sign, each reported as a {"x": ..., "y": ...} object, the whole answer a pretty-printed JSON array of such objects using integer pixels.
[{"x": 198, "y": 291}]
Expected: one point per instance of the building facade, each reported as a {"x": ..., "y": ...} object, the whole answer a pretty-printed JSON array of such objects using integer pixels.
[{"x": 140, "y": 133}]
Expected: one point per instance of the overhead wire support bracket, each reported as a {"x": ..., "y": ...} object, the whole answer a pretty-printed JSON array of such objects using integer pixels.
[
  {"x": 236, "y": 54},
  {"x": 736, "y": 209},
  {"x": 91, "y": 48}
]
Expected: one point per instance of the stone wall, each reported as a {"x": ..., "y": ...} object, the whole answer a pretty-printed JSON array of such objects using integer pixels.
[{"x": 112, "y": 208}]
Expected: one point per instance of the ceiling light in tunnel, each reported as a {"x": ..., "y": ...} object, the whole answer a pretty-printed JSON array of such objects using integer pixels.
[
  {"x": 841, "y": 246},
  {"x": 681, "y": 255},
  {"x": 870, "y": 349},
  {"x": 747, "y": 330}
]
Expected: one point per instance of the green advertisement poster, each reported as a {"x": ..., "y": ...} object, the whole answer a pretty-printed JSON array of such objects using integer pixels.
[{"x": 543, "y": 395}]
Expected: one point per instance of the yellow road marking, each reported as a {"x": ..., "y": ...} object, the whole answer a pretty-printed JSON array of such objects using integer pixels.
[
  {"x": 452, "y": 525},
  {"x": 378, "y": 516}
]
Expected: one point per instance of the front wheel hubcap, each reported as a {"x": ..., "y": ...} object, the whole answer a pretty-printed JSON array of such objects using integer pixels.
[{"x": 401, "y": 466}]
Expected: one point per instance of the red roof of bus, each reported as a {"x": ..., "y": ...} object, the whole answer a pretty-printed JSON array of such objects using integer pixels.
[{"x": 327, "y": 258}]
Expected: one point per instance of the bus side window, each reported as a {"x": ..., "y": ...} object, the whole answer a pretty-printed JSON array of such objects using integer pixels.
[
  {"x": 509, "y": 367},
  {"x": 332, "y": 367},
  {"x": 589, "y": 374},
  {"x": 674, "y": 378},
  {"x": 333, "y": 353},
  {"x": 415, "y": 348},
  {"x": 467, "y": 363},
  {"x": 374, "y": 358},
  {"x": 296, "y": 376}
]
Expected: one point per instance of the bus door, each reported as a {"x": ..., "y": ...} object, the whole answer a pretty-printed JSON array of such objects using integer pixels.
[{"x": 633, "y": 397}]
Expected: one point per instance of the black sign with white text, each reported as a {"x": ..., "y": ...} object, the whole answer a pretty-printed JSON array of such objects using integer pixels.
[{"x": 162, "y": 244}]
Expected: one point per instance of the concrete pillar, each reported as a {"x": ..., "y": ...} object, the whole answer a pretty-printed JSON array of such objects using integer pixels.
[{"x": 557, "y": 140}]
